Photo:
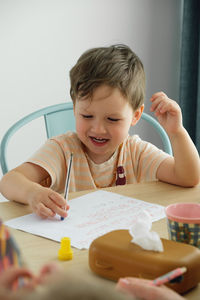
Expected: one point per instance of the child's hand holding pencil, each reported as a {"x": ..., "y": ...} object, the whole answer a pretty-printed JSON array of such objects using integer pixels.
[
  {"x": 151, "y": 290},
  {"x": 47, "y": 203}
]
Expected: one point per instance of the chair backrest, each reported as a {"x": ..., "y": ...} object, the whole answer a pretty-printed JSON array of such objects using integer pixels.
[{"x": 58, "y": 119}]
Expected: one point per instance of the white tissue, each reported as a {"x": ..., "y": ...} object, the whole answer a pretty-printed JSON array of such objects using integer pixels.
[{"x": 142, "y": 236}]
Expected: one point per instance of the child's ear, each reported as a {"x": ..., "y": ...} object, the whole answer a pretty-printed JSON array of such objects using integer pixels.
[{"x": 137, "y": 115}]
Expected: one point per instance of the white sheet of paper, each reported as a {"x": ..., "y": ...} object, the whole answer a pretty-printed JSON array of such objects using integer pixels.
[{"x": 90, "y": 216}]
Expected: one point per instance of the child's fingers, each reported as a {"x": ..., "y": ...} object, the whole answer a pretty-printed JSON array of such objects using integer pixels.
[
  {"x": 156, "y": 99},
  {"x": 156, "y": 95},
  {"x": 162, "y": 108},
  {"x": 46, "y": 203},
  {"x": 50, "y": 268},
  {"x": 49, "y": 209},
  {"x": 167, "y": 106},
  {"x": 60, "y": 203},
  {"x": 157, "y": 104},
  {"x": 162, "y": 105},
  {"x": 57, "y": 209},
  {"x": 57, "y": 199},
  {"x": 12, "y": 274},
  {"x": 161, "y": 97},
  {"x": 49, "y": 273},
  {"x": 143, "y": 289},
  {"x": 43, "y": 210},
  {"x": 137, "y": 288}
]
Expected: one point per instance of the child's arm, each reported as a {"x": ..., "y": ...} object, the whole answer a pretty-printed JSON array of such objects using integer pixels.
[
  {"x": 184, "y": 168},
  {"x": 22, "y": 184}
]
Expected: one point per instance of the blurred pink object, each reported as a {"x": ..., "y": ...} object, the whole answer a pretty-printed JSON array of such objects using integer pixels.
[{"x": 184, "y": 212}]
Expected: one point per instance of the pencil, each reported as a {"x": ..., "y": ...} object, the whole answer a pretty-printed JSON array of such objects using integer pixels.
[
  {"x": 67, "y": 182},
  {"x": 169, "y": 276}
]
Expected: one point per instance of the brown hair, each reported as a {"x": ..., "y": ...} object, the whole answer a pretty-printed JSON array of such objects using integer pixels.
[{"x": 117, "y": 66}]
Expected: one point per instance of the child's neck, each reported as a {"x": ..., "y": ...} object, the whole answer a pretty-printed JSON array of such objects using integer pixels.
[{"x": 97, "y": 159}]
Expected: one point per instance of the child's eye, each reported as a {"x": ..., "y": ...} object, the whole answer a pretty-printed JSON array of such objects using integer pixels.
[
  {"x": 87, "y": 116},
  {"x": 113, "y": 120}
]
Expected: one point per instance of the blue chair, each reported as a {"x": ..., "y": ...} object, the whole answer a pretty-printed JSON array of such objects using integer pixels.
[{"x": 58, "y": 119}]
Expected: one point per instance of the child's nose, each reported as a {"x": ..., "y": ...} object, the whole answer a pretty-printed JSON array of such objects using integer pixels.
[{"x": 98, "y": 127}]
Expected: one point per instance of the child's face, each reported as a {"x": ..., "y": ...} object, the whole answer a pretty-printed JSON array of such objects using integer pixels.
[{"x": 103, "y": 122}]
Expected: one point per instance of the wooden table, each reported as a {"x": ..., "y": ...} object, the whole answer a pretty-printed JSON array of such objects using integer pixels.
[{"x": 37, "y": 250}]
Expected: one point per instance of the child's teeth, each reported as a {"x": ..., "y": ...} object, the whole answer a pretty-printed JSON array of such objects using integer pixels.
[{"x": 99, "y": 140}]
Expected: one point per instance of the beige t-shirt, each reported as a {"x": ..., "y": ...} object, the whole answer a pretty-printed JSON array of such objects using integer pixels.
[{"x": 134, "y": 161}]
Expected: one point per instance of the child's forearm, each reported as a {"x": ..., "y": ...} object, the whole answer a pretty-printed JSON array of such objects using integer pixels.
[
  {"x": 15, "y": 186},
  {"x": 187, "y": 162}
]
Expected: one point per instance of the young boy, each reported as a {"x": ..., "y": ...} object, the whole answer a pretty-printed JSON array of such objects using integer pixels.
[{"x": 107, "y": 90}]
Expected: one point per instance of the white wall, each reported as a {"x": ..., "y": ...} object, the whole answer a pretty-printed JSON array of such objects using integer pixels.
[{"x": 40, "y": 40}]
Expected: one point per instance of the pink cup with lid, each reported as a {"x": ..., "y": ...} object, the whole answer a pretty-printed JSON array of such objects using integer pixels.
[{"x": 183, "y": 220}]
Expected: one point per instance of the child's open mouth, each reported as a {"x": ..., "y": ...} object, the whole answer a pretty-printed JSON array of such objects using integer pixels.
[{"x": 98, "y": 141}]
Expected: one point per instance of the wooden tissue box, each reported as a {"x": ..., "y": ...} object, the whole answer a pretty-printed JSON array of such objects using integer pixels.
[{"x": 113, "y": 255}]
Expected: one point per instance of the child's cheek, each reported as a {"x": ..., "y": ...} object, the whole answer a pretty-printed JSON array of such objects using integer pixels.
[{"x": 80, "y": 127}]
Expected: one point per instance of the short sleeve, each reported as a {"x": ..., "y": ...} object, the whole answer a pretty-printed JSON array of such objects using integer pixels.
[
  {"x": 146, "y": 159},
  {"x": 51, "y": 158}
]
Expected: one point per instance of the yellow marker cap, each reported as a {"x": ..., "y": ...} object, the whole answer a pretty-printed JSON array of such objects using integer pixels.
[{"x": 65, "y": 252}]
